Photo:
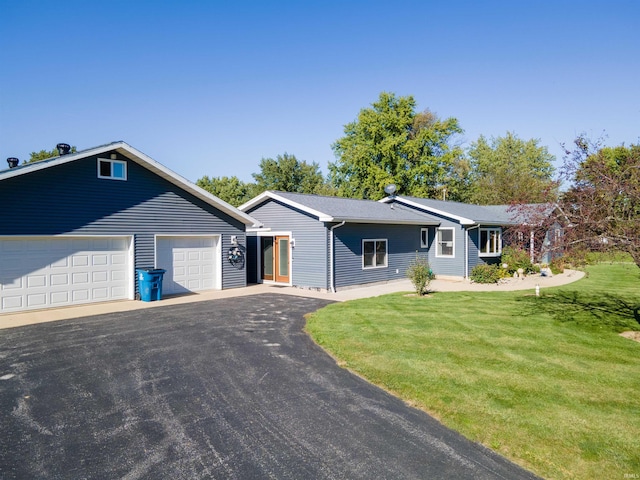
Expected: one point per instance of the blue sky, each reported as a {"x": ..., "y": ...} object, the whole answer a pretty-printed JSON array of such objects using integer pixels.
[{"x": 212, "y": 87}]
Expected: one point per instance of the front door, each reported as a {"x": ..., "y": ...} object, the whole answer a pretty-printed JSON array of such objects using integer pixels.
[
  {"x": 281, "y": 259},
  {"x": 275, "y": 264}
]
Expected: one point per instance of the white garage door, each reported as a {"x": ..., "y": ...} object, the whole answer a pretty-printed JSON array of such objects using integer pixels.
[
  {"x": 191, "y": 263},
  {"x": 44, "y": 272}
]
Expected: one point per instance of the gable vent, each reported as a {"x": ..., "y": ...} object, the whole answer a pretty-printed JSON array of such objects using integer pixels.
[
  {"x": 13, "y": 162},
  {"x": 63, "y": 148}
]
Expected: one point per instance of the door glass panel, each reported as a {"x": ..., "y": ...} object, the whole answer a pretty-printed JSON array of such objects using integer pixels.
[
  {"x": 267, "y": 258},
  {"x": 283, "y": 263}
]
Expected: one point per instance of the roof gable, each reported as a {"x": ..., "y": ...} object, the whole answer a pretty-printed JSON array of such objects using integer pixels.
[
  {"x": 338, "y": 209},
  {"x": 141, "y": 159},
  {"x": 464, "y": 213}
]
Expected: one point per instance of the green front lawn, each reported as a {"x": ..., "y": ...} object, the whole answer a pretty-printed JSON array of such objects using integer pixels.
[{"x": 546, "y": 381}]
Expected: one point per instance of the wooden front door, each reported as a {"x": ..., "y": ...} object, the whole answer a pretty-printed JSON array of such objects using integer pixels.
[
  {"x": 281, "y": 260},
  {"x": 275, "y": 264}
]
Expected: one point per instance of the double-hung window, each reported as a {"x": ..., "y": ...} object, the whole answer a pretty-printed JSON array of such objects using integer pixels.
[
  {"x": 490, "y": 242},
  {"x": 374, "y": 253},
  {"x": 445, "y": 242},
  {"x": 112, "y": 169}
]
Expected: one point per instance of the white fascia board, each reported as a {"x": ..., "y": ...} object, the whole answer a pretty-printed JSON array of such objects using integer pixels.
[
  {"x": 462, "y": 220},
  {"x": 254, "y": 201},
  {"x": 495, "y": 224},
  {"x": 323, "y": 217},
  {"x": 384, "y": 222}
]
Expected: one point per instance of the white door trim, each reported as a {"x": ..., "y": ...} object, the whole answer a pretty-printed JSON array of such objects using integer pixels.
[{"x": 274, "y": 234}]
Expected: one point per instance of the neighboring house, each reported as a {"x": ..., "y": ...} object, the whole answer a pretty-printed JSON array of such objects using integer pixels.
[
  {"x": 328, "y": 243},
  {"x": 74, "y": 228}
]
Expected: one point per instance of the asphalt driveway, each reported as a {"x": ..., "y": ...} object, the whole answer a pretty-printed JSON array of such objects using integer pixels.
[{"x": 230, "y": 388}]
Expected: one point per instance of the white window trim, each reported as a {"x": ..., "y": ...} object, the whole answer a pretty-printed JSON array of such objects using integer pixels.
[
  {"x": 386, "y": 256},
  {"x": 424, "y": 235},
  {"x": 488, "y": 230},
  {"x": 453, "y": 241},
  {"x": 112, "y": 162}
]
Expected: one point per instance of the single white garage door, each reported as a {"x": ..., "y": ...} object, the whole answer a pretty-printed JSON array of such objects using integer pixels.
[
  {"x": 44, "y": 272},
  {"x": 191, "y": 263}
]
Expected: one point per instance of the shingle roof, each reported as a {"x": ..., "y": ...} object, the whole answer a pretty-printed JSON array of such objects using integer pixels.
[
  {"x": 464, "y": 212},
  {"x": 338, "y": 209}
]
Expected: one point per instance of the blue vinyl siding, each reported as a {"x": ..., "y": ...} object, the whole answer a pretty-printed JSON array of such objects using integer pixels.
[
  {"x": 310, "y": 262},
  {"x": 474, "y": 250},
  {"x": 449, "y": 266},
  {"x": 71, "y": 199},
  {"x": 442, "y": 265},
  {"x": 309, "y": 256},
  {"x": 403, "y": 244}
]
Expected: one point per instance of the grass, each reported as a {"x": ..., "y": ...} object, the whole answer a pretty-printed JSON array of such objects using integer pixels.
[{"x": 545, "y": 381}]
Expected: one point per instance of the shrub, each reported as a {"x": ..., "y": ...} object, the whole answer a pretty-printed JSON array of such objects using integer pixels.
[
  {"x": 420, "y": 274},
  {"x": 517, "y": 258},
  {"x": 557, "y": 266},
  {"x": 485, "y": 273}
]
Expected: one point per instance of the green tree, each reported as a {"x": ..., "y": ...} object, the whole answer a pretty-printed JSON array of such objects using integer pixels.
[
  {"x": 602, "y": 207},
  {"x": 230, "y": 189},
  {"x": 510, "y": 170},
  {"x": 45, "y": 154},
  {"x": 391, "y": 143},
  {"x": 288, "y": 174}
]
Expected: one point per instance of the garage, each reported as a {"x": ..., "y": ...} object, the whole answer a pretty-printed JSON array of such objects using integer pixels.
[
  {"x": 76, "y": 227},
  {"x": 44, "y": 272},
  {"x": 192, "y": 263}
]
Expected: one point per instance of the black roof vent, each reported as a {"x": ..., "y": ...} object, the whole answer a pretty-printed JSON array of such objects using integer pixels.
[
  {"x": 63, "y": 148},
  {"x": 13, "y": 162}
]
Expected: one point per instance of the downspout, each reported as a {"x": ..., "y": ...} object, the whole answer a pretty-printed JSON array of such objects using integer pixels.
[
  {"x": 466, "y": 251},
  {"x": 332, "y": 280}
]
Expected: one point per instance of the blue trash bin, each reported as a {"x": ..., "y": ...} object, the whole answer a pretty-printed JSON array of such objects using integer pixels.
[{"x": 150, "y": 283}]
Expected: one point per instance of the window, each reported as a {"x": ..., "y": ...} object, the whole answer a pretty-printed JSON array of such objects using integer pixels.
[
  {"x": 113, "y": 169},
  {"x": 557, "y": 235},
  {"x": 490, "y": 242},
  {"x": 445, "y": 243},
  {"x": 424, "y": 238},
  {"x": 374, "y": 253}
]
